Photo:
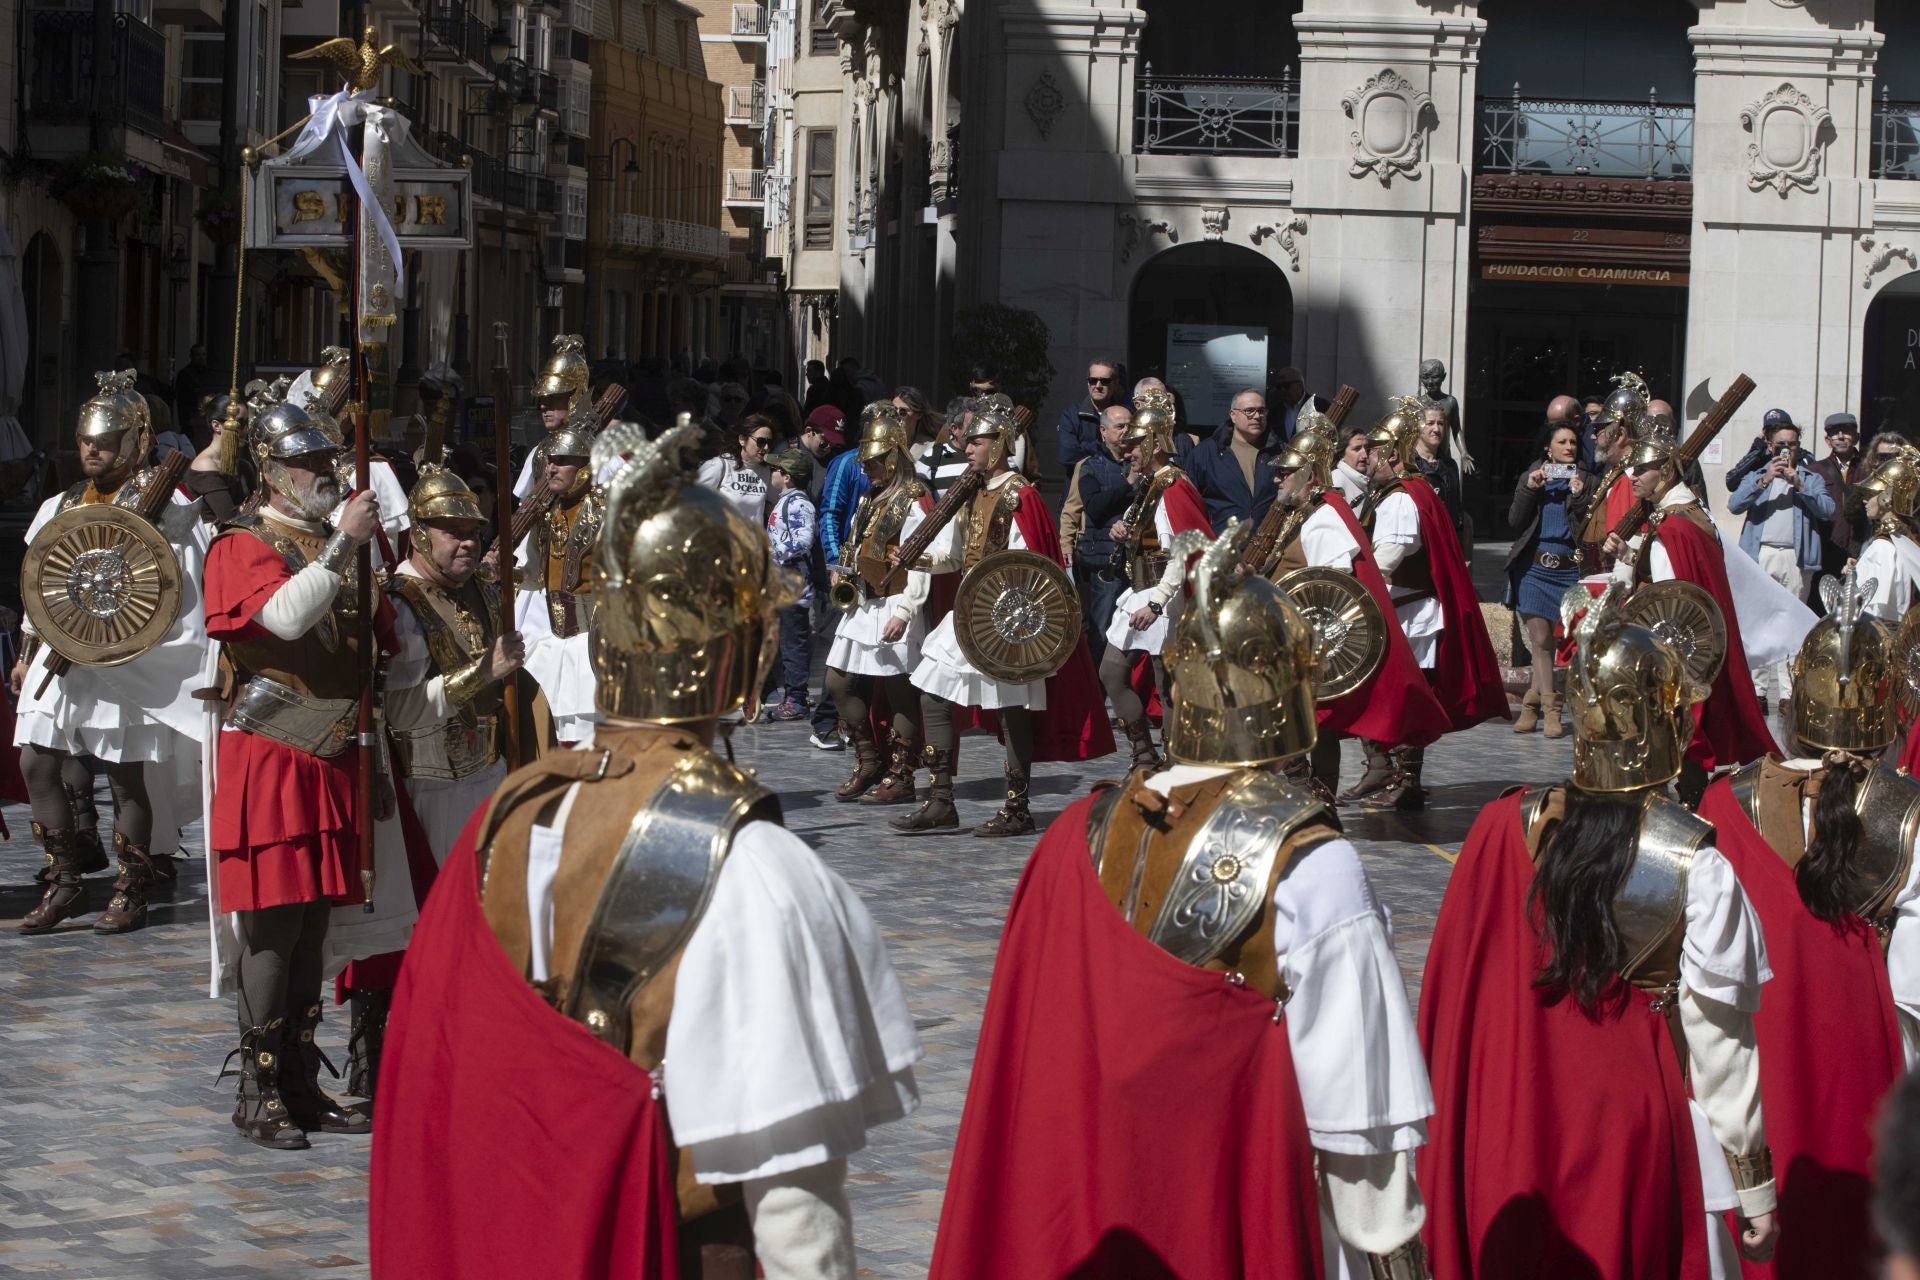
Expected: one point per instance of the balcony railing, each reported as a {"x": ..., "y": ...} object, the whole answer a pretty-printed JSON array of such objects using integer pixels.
[
  {"x": 746, "y": 186},
  {"x": 459, "y": 33},
  {"x": 61, "y": 87},
  {"x": 1896, "y": 140},
  {"x": 1216, "y": 115},
  {"x": 749, "y": 21},
  {"x": 637, "y": 231},
  {"x": 747, "y": 104},
  {"x": 1648, "y": 139},
  {"x": 546, "y": 87}
]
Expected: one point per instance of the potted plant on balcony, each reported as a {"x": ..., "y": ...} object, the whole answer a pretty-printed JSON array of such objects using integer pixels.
[
  {"x": 100, "y": 184},
  {"x": 219, "y": 215}
]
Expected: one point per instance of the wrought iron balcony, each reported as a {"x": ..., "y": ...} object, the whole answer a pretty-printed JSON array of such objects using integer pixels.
[
  {"x": 1216, "y": 115},
  {"x": 1896, "y": 140},
  {"x": 62, "y": 69},
  {"x": 1648, "y": 139},
  {"x": 747, "y": 104},
  {"x": 457, "y": 34}
]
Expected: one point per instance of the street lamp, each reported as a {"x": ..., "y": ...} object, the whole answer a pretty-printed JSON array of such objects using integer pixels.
[{"x": 590, "y": 320}]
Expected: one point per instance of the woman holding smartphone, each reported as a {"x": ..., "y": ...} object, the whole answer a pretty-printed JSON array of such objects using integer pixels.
[{"x": 1549, "y": 506}]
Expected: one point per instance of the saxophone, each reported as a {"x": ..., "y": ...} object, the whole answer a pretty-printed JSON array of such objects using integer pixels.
[
  {"x": 844, "y": 594},
  {"x": 1119, "y": 563}
]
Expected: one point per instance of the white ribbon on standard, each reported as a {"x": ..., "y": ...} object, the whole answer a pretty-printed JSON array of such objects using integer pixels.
[{"x": 324, "y": 138}]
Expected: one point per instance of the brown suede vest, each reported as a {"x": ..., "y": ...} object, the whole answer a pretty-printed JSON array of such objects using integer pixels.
[
  {"x": 319, "y": 662},
  {"x": 989, "y": 519}
]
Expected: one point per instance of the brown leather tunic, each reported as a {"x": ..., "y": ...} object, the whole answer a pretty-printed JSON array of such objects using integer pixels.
[
  {"x": 990, "y": 517},
  {"x": 319, "y": 663},
  {"x": 1414, "y": 573}
]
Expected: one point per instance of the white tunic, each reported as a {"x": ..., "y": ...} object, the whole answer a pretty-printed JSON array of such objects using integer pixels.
[
  {"x": 1396, "y": 528},
  {"x": 1356, "y": 1052},
  {"x": 560, "y": 665},
  {"x": 1892, "y": 565},
  {"x": 1325, "y": 540},
  {"x": 1166, "y": 593},
  {"x": 858, "y": 647},
  {"x": 944, "y": 670}
]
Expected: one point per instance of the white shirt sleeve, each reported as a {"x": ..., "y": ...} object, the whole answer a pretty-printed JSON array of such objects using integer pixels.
[
  {"x": 790, "y": 1037},
  {"x": 300, "y": 602},
  {"x": 946, "y": 550},
  {"x": 1176, "y": 571},
  {"x": 415, "y": 697},
  {"x": 1880, "y": 565},
  {"x": 1903, "y": 961},
  {"x": 523, "y": 483},
  {"x": 1326, "y": 541},
  {"x": 908, "y": 601}
]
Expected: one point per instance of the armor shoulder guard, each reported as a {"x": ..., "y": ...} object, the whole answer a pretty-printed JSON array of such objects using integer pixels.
[
  {"x": 1099, "y": 817},
  {"x": 1888, "y": 803},
  {"x": 136, "y": 487},
  {"x": 1745, "y": 782},
  {"x": 1650, "y": 909},
  {"x": 72, "y": 496},
  {"x": 1010, "y": 491},
  {"x": 1222, "y": 884}
]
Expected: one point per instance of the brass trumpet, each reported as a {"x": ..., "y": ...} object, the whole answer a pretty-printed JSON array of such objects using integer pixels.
[{"x": 844, "y": 594}]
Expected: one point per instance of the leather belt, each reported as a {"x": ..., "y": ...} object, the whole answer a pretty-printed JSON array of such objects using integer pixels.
[
  {"x": 1549, "y": 560},
  {"x": 318, "y": 726}
]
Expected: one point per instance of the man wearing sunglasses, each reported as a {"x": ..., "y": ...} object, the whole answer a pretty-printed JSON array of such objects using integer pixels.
[{"x": 1080, "y": 424}]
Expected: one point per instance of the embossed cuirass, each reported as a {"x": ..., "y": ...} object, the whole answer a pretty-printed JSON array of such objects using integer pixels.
[
  {"x": 319, "y": 663},
  {"x": 990, "y": 518},
  {"x": 1195, "y": 870},
  {"x": 1887, "y": 802},
  {"x": 1650, "y": 909},
  {"x": 460, "y": 625}
]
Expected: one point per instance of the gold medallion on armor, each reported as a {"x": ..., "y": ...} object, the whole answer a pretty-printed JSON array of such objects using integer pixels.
[
  {"x": 101, "y": 585},
  {"x": 1349, "y": 628},
  {"x": 1016, "y": 617}
]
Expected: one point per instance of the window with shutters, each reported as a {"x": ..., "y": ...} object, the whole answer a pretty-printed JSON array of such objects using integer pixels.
[
  {"x": 819, "y": 223},
  {"x": 579, "y": 105},
  {"x": 576, "y": 210}
]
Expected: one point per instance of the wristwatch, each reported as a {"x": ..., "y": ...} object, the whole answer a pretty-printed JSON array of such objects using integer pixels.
[{"x": 1159, "y": 610}]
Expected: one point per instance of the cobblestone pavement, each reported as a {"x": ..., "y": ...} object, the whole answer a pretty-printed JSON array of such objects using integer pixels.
[{"x": 117, "y": 1158}]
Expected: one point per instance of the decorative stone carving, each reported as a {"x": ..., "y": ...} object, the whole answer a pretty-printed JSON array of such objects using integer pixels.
[
  {"x": 1390, "y": 117},
  {"x": 1044, "y": 102},
  {"x": 1882, "y": 256},
  {"x": 1214, "y": 222},
  {"x": 1790, "y": 133},
  {"x": 1286, "y": 231},
  {"x": 1134, "y": 229}
]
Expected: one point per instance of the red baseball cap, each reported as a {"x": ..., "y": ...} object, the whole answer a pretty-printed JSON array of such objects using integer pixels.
[{"x": 829, "y": 421}]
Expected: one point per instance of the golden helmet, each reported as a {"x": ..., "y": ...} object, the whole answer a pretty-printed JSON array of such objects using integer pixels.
[
  {"x": 1154, "y": 418},
  {"x": 286, "y": 430},
  {"x": 441, "y": 495},
  {"x": 1312, "y": 450},
  {"x": 1243, "y": 658},
  {"x": 574, "y": 438},
  {"x": 687, "y": 586},
  {"x": 334, "y": 368},
  {"x": 118, "y": 416},
  {"x": 1631, "y": 695},
  {"x": 1896, "y": 482},
  {"x": 882, "y": 432},
  {"x": 1844, "y": 676},
  {"x": 1311, "y": 419},
  {"x": 1654, "y": 448},
  {"x": 1399, "y": 430},
  {"x": 1626, "y": 403},
  {"x": 990, "y": 419},
  {"x": 565, "y": 372}
]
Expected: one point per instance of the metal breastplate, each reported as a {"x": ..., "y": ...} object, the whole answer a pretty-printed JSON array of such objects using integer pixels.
[
  {"x": 128, "y": 494},
  {"x": 1888, "y": 803},
  {"x": 459, "y": 627},
  {"x": 991, "y": 518},
  {"x": 878, "y": 526},
  {"x": 1292, "y": 549},
  {"x": 1650, "y": 908},
  {"x": 1218, "y": 862},
  {"x": 568, "y": 533},
  {"x": 319, "y": 663}
]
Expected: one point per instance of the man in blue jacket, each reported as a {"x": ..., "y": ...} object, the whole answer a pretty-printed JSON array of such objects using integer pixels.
[
  {"x": 1080, "y": 424},
  {"x": 1785, "y": 503},
  {"x": 1233, "y": 469},
  {"x": 1101, "y": 483}
]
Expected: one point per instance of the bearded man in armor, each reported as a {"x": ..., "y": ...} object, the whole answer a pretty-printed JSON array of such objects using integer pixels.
[
  {"x": 1889, "y": 557},
  {"x": 1271, "y": 1034},
  {"x": 443, "y": 712},
  {"x": 282, "y": 597},
  {"x": 1006, "y": 513},
  {"x": 878, "y": 640},
  {"x": 329, "y": 381},
  {"x": 1823, "y": 844},
  {"x": 1165, "y": 505},
  {"x": 138, "y": 719},
  {"x": 1588, "y": 1005},
  {"x": 653, "y": 969}
]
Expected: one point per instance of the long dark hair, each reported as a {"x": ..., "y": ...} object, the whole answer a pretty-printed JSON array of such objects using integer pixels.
[
  {"x": 1571, "y": 902},
  {"x": 1828, "y": 876}
]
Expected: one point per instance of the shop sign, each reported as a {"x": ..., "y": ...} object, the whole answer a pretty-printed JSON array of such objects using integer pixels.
[{"x": 1583, "y": 273}]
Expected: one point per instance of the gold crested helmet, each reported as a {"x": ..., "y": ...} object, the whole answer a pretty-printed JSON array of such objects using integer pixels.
[
  {"x": 1318, "y": 423},
  {"x": 1399, "y": 430},
  {"x": 687, "y": 586},
  {"x": 117, "y": 416},
  {"x": 1896, "y": 482},
  {"x": 1243, "y": 658},
  {"x": 883, "y": 433},
  {"x": 1626, "y": 403},
  {"x": 287, "y": 430},
  {"x": 1632, "y": 696},
  {"x": 1311, "y": 450},
  {"x": 1655, "y": 449},
  {"x": 334, "y": 370},
  {"x": 1155, "y": 418},
  {"x": 565, "y": 372},
  {"x": 1845, "y": 674},
  {"x": 441, "y": 495},
  {"x": 573, "y": 438},
  {"x": 990, "y": 419}
]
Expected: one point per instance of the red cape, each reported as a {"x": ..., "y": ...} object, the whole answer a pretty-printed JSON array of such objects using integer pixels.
[
  {"x": 1910, "y": 750},
  {"x": 1074, "y": 725},
  {"x": 1619, "y": 500},
  {"x": 1397, "y": 706},
  {"x": 1129, "y": 1116},
  {"x": 1519, "y": 1178},
  {"x": 1186, "y": 510},
  {"x": 509, "y": 1141},
  {"x": 1466, "y": 675},
  {"x": 1830, "y": 1049},
  {"x": 1732, "y": 728}
]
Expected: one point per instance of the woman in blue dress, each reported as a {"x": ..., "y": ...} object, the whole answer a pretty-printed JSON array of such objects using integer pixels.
[{"x": 1549, "y": 507}]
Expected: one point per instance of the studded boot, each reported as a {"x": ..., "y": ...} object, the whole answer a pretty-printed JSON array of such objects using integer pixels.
[
  {"x": 938, "y": 813},
  {"x": 1378, "y": 776},
  {"x": 307, "y": 1103},
  {"x": 66, "y": 892},
  {"x": 366, "y": 1038},
  {"x": 1140, "y": 739},
  {"x": 897, "y": 786},
  {"x": 128, "y": 909},
  {"x": 1013, "y": 818},
  {"x": 91, "y": 854},
  {"x": 1406, "y": 793},
  {"x": 260, "y": 1112},
  {"x": 867, "y": 768}
]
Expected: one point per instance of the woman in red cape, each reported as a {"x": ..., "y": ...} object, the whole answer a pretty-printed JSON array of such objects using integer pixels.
[
  {"x": 1466, "y": 675},
  {"x": 1077, "y": 1048}
]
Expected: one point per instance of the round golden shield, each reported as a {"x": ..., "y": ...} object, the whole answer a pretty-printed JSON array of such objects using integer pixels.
[
  {"x": 101, "y": 585},
  {"x": 1906, "y": 655},
  {"x": 1349, "y": 629},
  {"x": 1016, "y": 617},
  {"x": 1686, "y": 617}
]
